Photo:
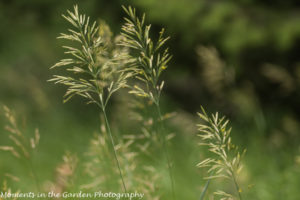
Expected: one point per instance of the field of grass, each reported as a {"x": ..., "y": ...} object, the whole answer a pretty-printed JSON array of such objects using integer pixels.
[{"x": 156, "y": 138}]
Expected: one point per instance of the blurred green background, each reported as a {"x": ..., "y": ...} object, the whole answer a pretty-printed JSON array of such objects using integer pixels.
[{"x": 240, "y": 58}]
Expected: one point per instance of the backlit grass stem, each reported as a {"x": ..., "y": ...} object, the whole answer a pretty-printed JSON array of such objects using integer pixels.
[
  {"x": 97, "y": 66},
  {"x": 113, "y": 147},
  {"x": 204, "y": 190},
  {"x": 165, "y": 148},
  {"x": 149, "y": 62}
]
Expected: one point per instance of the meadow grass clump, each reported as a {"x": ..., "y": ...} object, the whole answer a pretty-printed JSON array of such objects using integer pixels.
[
  {"x": 225, "y": 161},
  {"x": 98, "y": 65}
]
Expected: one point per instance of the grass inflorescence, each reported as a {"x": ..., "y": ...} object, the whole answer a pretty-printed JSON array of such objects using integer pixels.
[
  {"x": 226, "y": 159},
  {"x": 96, "y": 65}
]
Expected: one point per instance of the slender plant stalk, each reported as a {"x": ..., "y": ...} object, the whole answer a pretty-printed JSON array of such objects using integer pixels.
[
  {"x": 35, "y": 177},
  {"x": 236, "y": 185},
  {"x": 165, "y": 148},
  {"x": 204, "y": 190},
  {"x": 113, "y": 146}
]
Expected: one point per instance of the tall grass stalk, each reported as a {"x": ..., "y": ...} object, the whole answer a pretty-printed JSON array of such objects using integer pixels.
[
  {"x": 149, "y": 63},
  {"x": 165, "y": 148},
  {"x": 34, "y": 175},
  {"x": 226, "y": 159},
  {"x": 114, "y": 149},
  {"x": 204, "y": 190},
  {"x": 97, "y": 66}
]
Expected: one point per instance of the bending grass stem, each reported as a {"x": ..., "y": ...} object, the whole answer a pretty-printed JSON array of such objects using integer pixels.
[
  {"x": 236, "y": 185},
  {"x": 33, "y": 174},
  {"x": 166, "y": 149},
  {"x": 113, "y": 146},
  {"x": 204, "y": 190}
]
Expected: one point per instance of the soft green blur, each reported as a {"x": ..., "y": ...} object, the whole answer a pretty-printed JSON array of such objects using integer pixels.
[{"x": 240, "y": 58}]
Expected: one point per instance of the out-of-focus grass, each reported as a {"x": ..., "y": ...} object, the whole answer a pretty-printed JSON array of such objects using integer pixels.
[
  {"x": 270, "y": 172},
  {"x": 60, "y": 131},
  {"x": 268, "y": 128}
]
